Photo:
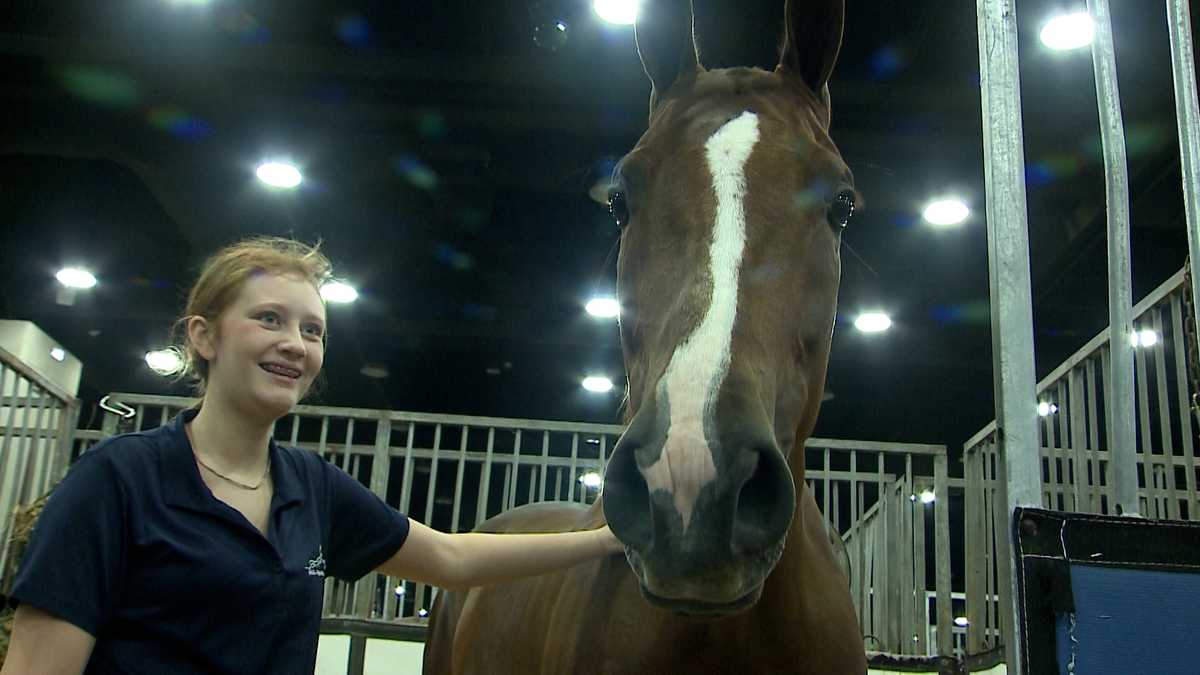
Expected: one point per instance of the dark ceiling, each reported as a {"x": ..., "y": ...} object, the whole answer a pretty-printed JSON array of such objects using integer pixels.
[{"x": 448, "y": 158}]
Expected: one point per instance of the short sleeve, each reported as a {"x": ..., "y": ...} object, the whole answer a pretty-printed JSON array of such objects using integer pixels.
[
  {"x": 364, "y": 531},
  {"x": 74, "y": 564}
]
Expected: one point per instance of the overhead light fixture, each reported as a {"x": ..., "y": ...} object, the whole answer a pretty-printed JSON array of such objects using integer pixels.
[
  {"x": 1045, "y": 409},
  {"x": 1143, "y": 338},
  {"x": 597, "y": 384},
  {"x": 338, "y": 292},
  {"x": 961, "y": 621},
  {"x": 946, "y": 212},
  {"x": 619, "y": 12},
  {"x": 928, "y": 497},
  {"x": 75, "y": 277},
  {"x": 58, "y": 354},
  {"x": 604, "y": 308},
  {"x": 1068, "y": 31},
  {"x": 376, "y": 371},
  {"x": 164, "y": 361},
  {"x": 278, "y": 174},
  {"x": 873, "y": 322},
  {"x": 591, "y": 479}
]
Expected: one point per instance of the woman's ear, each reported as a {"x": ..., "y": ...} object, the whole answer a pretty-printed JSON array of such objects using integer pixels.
[{"x": 202, "y": 337}]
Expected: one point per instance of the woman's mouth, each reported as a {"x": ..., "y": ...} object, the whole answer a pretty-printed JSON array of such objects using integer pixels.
[{"x": 285, "y": 374}]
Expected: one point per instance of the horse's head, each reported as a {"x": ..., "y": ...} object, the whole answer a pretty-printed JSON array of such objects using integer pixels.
[{"x": 731, "y": 208}]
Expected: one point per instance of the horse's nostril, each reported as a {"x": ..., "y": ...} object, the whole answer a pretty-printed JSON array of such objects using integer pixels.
[
  {"x": 764, "y": 504},
  {"x": 627, "y": 499}
]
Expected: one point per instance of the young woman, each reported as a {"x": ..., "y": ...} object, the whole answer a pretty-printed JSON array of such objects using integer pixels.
[{"x": 202, "y": 546}]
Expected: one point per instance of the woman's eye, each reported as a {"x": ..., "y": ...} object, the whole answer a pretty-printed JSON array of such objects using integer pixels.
[
  {"x": 842, "y": 209},
  {"x": 269, "y": 318},
  {"x": 618, "y": 208},
  {"x": 313, "y": 330}
]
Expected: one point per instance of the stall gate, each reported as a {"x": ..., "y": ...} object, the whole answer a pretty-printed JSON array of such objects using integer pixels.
[
  {"x": 36, "y": 423},
  {"x": 1075, "y": 447},
  {"x": 453, "y": 472}
]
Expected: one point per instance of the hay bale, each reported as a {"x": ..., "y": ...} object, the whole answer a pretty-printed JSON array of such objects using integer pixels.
[{"x": 24, "y": 520}]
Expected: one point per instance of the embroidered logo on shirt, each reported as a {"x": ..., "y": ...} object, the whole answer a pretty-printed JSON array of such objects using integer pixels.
[{"x": 316, "y": 566}]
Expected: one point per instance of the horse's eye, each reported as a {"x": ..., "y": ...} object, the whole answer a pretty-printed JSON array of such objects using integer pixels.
[
  {"x": 842, "y": 208},
  {"x": 618, "y": 208}
]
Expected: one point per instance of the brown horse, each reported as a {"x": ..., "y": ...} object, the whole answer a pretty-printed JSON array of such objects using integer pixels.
[{"x": 730, "y": 208}]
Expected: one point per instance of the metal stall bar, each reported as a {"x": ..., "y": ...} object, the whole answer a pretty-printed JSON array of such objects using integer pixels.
[
  {"x": 941, "y": 533},
  {"x": 1181, "y": 388},
  {"x": 1120, "y": 293},
  {"x": 1009, "y": 282},
  {"x": 1187, "y": 115},
  {"x": 1164, "y": 415}
]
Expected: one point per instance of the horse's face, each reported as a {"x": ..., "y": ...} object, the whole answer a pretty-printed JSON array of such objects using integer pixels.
[{"x": 731, "y": 208}]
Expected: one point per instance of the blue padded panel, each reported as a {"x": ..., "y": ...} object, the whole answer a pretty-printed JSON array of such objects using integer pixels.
[{"x": 1132, "y": 622}]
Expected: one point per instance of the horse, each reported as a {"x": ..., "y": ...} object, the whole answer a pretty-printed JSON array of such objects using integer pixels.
[{"x": 730, "y": 210}]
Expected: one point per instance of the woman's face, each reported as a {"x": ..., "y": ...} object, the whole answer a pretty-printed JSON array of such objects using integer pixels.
[{"x": 268, "y": 346}]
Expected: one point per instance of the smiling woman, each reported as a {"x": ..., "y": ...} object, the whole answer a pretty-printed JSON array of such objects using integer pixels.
[{"x": 161, "y": 550}]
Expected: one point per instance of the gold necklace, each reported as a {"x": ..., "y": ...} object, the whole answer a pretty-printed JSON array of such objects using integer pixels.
[{"x": 244, "y": 486}]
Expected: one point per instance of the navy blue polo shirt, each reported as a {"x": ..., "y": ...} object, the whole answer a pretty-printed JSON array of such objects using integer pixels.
[{"x": 133, "y": 548}]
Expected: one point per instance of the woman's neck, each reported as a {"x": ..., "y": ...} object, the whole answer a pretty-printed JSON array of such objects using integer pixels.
[{"x": 227, "y": 435}]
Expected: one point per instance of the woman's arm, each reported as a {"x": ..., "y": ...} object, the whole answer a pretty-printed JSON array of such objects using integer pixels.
[
  {"x": 457, "y": 561},
  {"x": 43, "y": 644}
]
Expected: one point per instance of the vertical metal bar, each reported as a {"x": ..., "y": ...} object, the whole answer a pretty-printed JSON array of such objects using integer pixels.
[
  {"x": 1109, "y": 438},
  {"x": 572, "y": 481},
  {"x": 68, "y": 421},
  {"x": 458, "y": 479},
  {"x": 1164, "y": 412},
  {"x": 1062, "y": 443},
  {"x": 973, "y": 546},
  {"x": 1120, "y": 293},
  {"x": 825, "y": 488},
  {"x": 516, "y": 465},
  {"x": 941, "y": 543},
  {"x": 348, "y": 450},
  {"x": 322, "y": 447},
  {"x": 1008, "y": 264},
  {"x": 1145, "y": 434},
  {"x": 433, "y": 475},
  {"x": 295, "y": 431},
  {"x": 1187, "y": 114},
  {"x": 919, "y": 601},
  {"x": 409, "y": 469},
  {"x": 545, "y": 465},
  {"x": 1178, "y": 340},
  {"x": 485, "y": 480},
  {"x": 381, "y": 461},
  {"x": 1080, "y": 490},
  {"x": 137, "y": 419}
]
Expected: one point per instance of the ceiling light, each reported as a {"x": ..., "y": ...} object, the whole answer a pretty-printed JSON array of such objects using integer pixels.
[
  {"x": 376, "y": 371},
  {"x": 597, "y": 384},
  {"x": 944, "y": 212},
  {"x": 605, "y": 308},
  {"x": 74, "y": 277},
  {"x": 591, "y": 479},
  {"x": 58, "y": 354},
  {"x": 164, "y": 361},
  {"x": 928, "y": 497},
  {"x": 1046, "y": 409},
  {"x": 962, "y": 621},
  {"x": 1143, "y": 338},
  {"x": 620, "y": 12},
  {"x": 873, "y": 322},
  {"x": 278, "y": 174},
  {"x": 338, "y": 292},
  {"x": 1068, "y": 31}
]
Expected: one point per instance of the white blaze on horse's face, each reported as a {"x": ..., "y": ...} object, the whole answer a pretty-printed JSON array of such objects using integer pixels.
[{"x": 699, "y": 365}]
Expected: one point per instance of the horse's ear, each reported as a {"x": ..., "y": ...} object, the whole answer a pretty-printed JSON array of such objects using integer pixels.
[
  {"x": 811, "y": 39},
  {"x": 666, "y": 44}
]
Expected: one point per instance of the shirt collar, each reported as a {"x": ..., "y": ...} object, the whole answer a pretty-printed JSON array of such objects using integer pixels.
[{"x": 181, "y": 479}]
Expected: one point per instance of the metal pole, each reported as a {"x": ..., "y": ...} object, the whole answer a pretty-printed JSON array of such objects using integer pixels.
[
  {"x": 1120, "y": 294},
  {"x": 1183, "y": 68},
  {"x": 1008, "y": 270}
]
